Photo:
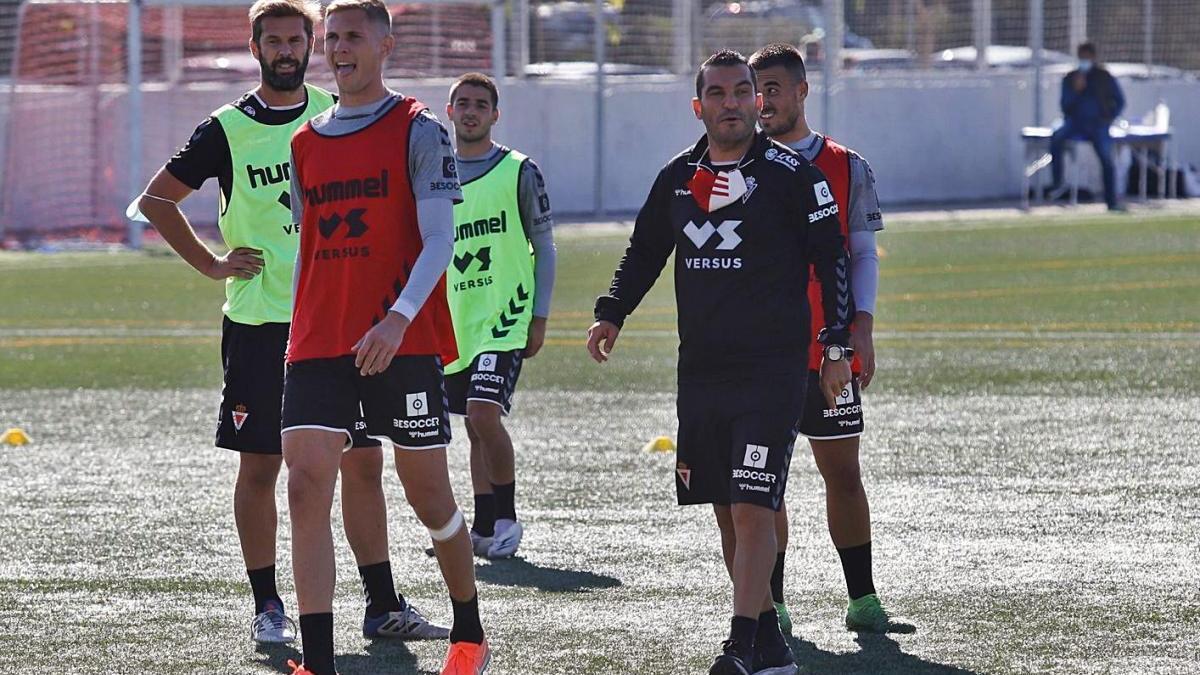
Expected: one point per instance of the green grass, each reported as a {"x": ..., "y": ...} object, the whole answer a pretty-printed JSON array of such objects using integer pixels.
[
  {"x": 1025, "y": 306},
  {"x": 1029, "y": 456}
]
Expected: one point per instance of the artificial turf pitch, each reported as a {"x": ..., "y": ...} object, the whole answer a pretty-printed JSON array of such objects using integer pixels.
[{"x": 1030, "y": 455}]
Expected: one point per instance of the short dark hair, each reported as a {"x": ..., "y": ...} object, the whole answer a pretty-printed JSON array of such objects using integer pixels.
[
  {"x": 780, "y": 54},
  {"x": 725, "y": 57},
  {"x": 1089, "y": 47},
  {"x": 308, "y": 10},
  {"x": 377, "y": 12},
  {"x": 477, "y": 80}
]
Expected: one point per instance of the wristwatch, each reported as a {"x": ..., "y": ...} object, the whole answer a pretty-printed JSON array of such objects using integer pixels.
[{"x": 838, "y": 352}]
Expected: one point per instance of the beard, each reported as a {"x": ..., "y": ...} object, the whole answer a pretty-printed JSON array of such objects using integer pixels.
[
  {"x": 278, "y": 82},
  {"x": 472, "y": 136},
  {"x": 731, "y": 137},
  {"x": 778, "y": 126}
]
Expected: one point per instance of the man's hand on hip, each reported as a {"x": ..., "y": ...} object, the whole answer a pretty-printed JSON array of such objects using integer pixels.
[
  {"x": 375, "y": 351},
  {"x": 243, "y": 263}
]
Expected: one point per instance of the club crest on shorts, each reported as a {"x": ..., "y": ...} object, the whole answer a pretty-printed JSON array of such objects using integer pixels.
[
  {"x": 487, "y": 363},
  {"x": 756, "y": 456},
  {"x": 685, "y": 475},
  {"x": 239, "y": 416},
  {"x": 417, "y": 404}
]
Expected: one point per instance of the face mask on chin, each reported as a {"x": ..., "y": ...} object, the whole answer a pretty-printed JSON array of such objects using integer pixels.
[{"x": 1085, "y": 65}]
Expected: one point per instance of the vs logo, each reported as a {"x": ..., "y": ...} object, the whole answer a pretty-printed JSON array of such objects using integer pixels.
[
  {"x": 727, "y": 229},
  {"x": 483, "y": 255},
  {"x": 356, "y": 226}
]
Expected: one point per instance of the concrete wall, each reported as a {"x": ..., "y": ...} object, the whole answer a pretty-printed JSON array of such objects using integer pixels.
[{"x": 937, "y": 137}]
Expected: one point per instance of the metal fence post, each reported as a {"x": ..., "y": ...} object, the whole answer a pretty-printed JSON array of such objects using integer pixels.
[
  {"x": 1148, "y": 33},
  {"x": 1077, "y": 18},
  {"x": 599, "y": 44},
  {"x": 133, "y": 47},
  {"x": 499, "y": 41},
  {"x": 522, "y": 35},
  {"x": 1036, "y": 36},
  {"x": 982, "y": 25},
  {"x": 835, "y": 22},
  {"x": 681, "y": 20}
]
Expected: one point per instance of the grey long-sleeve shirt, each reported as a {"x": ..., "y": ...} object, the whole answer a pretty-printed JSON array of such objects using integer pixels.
[
  {"x": 429, "y": 153},
  {"x": 863, "y": 220},
  {"x": 535, "y": 215}
]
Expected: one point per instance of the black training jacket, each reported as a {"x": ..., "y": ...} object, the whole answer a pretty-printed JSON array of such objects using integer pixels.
[{"x": 741, "y": 271}]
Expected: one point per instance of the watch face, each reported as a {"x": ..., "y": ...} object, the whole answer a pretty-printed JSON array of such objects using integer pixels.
[{"x": 834, "y": 353}]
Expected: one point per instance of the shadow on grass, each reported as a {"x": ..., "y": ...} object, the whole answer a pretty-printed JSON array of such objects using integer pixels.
[
  {"x": 519, "y": 572},
  {"x": 275, "y": 656},
  {"x": 877, "y": 654},
  {"x": 383, "y": 656}
]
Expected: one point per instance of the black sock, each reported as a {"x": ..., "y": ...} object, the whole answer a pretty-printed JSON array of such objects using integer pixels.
[
  {"x": 742, "y": 630},
  {"x": 777, "y": 579},
  {"x": 856, "y": 565},
  {"x": 379, "y": 590},
  {"x": 466, "y": 621},
  {"x": 316, "y": 635},
  {"x": 262, "y": 583},
  {"x": 768, "y": 629},
  {"x": 506, "y": 501},
  {"x": 485, "y": 515}
]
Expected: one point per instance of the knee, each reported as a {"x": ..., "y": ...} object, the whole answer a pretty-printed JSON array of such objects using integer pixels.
[
  {"x": 750, "y": 517},
  {"x": 259, "y": 472},
  {"x": 434, "y": 510},
  {"x": 843, "y": 480},
  {"x": 484, "y": 419},
  {"x": 309, "y": 487},
  {"x": 362, "y": 467}
]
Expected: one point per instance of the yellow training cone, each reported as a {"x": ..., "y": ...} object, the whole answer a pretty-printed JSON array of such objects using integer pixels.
[
  {"x": 660, "y": 444},
  {"x": 15, "y": 436}
]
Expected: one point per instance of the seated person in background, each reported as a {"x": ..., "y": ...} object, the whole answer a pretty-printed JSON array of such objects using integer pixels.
[{"x": 1091, "y": 100}]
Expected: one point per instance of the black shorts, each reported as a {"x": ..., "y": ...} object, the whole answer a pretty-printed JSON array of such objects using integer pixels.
[
  {"x": 405, "y": 403},
  {"x": 822, "y": 423},
  {"x": 492, "y": 377},
  {"x": 252, "y": 358},
  {"x": 736, "y": 440}
]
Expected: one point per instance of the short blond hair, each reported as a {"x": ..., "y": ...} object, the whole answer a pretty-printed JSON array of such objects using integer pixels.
[
  {"x": 377, "y": 12},
  {"x": 308, "y": 10}
]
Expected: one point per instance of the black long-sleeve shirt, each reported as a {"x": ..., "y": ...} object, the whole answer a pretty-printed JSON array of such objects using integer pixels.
[{"x": 740, "y": 271}]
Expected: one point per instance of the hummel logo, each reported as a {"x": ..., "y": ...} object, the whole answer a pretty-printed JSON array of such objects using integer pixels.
[{"x": 727, "y": 229}]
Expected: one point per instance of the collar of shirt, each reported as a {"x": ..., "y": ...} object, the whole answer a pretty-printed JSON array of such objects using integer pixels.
[
  {"x": 699, "y": 157},
  {"x": 485, "y": 157},
  {"x": 344, "y": 112},
  {"x": 809, "y": 146}
]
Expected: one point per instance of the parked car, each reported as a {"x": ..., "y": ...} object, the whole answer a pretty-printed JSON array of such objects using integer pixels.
[
  {"x": 746, "y": 25},
  {"x": 998, "y": 56},
  {"x": 565, "y": 31}
]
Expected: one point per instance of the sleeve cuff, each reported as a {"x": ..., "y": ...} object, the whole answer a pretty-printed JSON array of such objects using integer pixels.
[
  {"x": 834, "y": 337},
  {"x": 404, "y": 308},
  {"x": 609, "y": 309}
]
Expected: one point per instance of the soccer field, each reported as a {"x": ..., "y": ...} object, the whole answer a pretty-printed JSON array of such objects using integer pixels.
[{"x": 1030, "y": 455}]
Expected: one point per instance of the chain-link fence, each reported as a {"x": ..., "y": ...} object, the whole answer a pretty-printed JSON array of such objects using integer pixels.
[{"x": 89, "y": 84}]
